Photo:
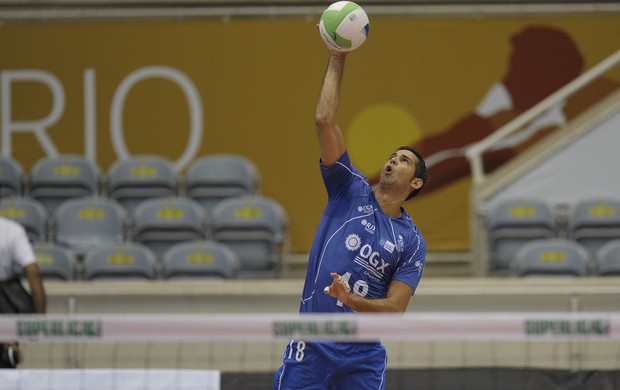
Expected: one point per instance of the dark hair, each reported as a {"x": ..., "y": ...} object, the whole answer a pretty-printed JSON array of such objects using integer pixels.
[{"x": 420, "y": 170}]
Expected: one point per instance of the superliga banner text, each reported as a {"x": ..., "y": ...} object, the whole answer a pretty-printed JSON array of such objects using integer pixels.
[{"x": 593, "y": 326}]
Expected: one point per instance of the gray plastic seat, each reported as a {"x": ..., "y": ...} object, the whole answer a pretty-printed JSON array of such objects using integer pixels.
[
  {"x": 132, "y": 180},
  {"x": 594, "y": 222},
  {"x": 85, "y": 224},
  {"x": 11, "y": 177},
  {"x": 55, "y": 262},
  {"x": 56, "y": 179},
  {"x": 29, "y": 213},
  {"x": 552, "y": 257},
  {"x": 121, "y": 261},
  {"x": 255, "y": 228},
  {"x": 160, "y": 223},
  {"x": 216, "y": 177},
  {"x": 200, "y": 260},
  {"x": 513, "y": 223},
  {"x": 607, "y": 259}
]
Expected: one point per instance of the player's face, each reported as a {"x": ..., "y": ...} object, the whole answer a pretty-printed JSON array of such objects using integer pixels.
[{"x": 400, "y": 167}]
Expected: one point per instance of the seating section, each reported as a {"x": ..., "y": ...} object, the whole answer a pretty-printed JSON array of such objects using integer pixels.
[
  {"x": 200, "y": 259},
  {"x": 122, "y": 261},
  {"x": 56, "y": 179},
  {"x": 29, "y": 213},
  {"x": 160, "y": 223},
  {"x": 55, "y": 262},
  {"x": 11, "y": 177},
  {"x": 85, "y": 224},
  {"x": 608, "y": 259},
  {"x": 138, "y": 178},
  {"x": 142, "y": 221},
  {"x": 590, "y": 223},
  {"x": 255, "y": 228},
  {"x": 552, "y": 257},
  {"x": 593, "y": 222},
  {"x": 148, "y": 222},
  {"x": 513, "y": 223},
  {"x": 216, "y": 177}
]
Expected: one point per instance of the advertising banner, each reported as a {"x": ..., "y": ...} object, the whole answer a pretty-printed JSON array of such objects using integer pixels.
[{"x": 184, "y": 89}]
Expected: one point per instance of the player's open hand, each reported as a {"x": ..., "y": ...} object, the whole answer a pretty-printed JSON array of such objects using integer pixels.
[{"x": 339, "y": 288}]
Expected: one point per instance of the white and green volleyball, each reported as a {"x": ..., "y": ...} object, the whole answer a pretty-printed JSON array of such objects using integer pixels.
[{"x": 344, "y": 26}]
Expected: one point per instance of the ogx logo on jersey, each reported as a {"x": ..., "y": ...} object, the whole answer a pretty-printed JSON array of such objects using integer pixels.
[{"x": 366, "y": 257}]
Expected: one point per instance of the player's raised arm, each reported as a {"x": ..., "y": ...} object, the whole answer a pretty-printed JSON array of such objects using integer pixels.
[{"x": 331, "y": 140}]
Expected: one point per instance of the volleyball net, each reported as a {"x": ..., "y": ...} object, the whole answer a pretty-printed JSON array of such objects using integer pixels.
[{"x": 435, "y": 350}]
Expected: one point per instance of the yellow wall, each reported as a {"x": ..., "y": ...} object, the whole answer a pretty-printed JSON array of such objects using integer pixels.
[{"x": 258, "y": 80}]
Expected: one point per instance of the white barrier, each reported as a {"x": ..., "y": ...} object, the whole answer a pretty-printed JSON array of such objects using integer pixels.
[
  {"x": 602, "y": 326},
  {"x": 110, "y": 379}
]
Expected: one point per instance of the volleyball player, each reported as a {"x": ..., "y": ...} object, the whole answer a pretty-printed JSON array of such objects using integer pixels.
[{"x": 367, "y": 256}]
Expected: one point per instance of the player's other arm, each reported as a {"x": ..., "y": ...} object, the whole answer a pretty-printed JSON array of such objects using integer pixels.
[
  {"x": 24, "y": 255},
  {"x": 331, "y": 140},
  {"x": 36, "y": 287},
  {"x": 396, "y": 301}
]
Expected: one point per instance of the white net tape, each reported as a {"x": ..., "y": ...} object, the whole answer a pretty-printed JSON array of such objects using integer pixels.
[
  {"x": 254, "y": 344},
  {"x": 270, "y": 327}
]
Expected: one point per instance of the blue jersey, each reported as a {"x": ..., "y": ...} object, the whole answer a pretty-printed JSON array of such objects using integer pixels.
[{"x": 359, "y": 242}]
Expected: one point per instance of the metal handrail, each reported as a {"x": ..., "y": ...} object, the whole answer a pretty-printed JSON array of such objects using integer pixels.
[{"x": 474, "y": 152}]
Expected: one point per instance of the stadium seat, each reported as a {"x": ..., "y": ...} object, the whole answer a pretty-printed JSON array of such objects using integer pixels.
[
  {"x": 11, "y": 177},
  {"x": 216, "y": 177},
  {"x": 55, "y": 262},
  {"x": 85, "y": 224},
  {"x": 552, "y": 257},
  {"x": 607, "y": 259},
  {"x": 56, "y": 179},
  {"x": 121, "y": 261},
  {"x": 160, "y": 223},
  {"x": 512, "y": 223},
  {"x": 593, "y": 222},
  {"x": 29, "y": 213},
  {"x": 200, "y": 259},
  {"x": 255, "y": 228},
  {"x": 132, "y": 180}
]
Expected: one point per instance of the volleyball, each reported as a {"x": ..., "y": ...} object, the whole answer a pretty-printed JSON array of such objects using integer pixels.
[{"x": 344, "y": 26}]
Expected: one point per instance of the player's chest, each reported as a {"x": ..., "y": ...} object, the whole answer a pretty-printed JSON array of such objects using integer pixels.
[{"x": 376, "y": 241}]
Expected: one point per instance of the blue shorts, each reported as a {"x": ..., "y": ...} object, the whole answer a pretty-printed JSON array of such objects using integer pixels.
[{"x": 334, "y": 366}]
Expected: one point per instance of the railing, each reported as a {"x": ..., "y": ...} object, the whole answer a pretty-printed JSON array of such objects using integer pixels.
[
  {"x": 480, "y": 190},
  {"x": 474, "y": 153}
]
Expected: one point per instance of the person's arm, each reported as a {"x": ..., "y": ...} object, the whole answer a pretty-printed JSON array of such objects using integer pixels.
[
  {"x": 396, "y": 300},
  {"x": 36, "y": 287},
  {"x": 331, "y": 140}
]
